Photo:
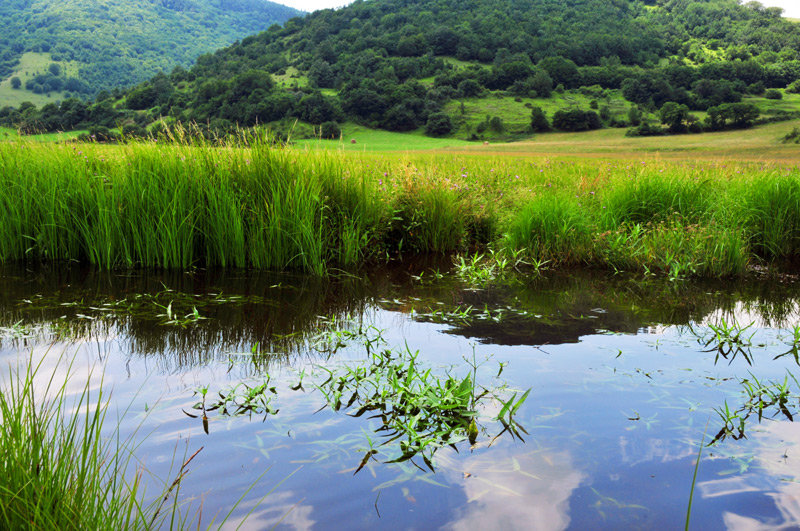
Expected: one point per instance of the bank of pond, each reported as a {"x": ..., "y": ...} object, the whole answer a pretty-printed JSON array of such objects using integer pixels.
[{"x": 258, "y": 205}]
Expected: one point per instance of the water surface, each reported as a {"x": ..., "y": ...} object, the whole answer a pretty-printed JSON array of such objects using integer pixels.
[{"x": 625, "y": 377}]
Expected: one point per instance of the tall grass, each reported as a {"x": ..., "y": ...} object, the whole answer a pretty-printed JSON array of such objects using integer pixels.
[
  {"x": 65, "y": 465},
  {"x": 57, "y": 469},
  {"x": 251, "y": 203}
]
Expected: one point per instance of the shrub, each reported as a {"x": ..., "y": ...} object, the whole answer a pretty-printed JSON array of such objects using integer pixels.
[
  {"x": 439, "y": 124},
  {"x": 330, "y": 130},
  {"x": 539, "y": 123},
  {"x": 576, "y": 120},
  {"x": 773, "y": 94}
]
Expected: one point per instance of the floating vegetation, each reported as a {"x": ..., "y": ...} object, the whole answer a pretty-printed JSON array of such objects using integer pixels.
[
  {"x": 729, "y": 340},
  {"x": 480, "y": 268},
  {"x": 763, "y": 399},
  {"x": 420, "y": 410},
  {"x": 19, "y": 331},
  {"x": 237, "y": 400}
]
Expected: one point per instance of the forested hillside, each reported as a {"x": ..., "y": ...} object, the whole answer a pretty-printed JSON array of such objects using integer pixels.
[
  {"x": 442, "y": 66},
  {"x": 122, "y": 42}
]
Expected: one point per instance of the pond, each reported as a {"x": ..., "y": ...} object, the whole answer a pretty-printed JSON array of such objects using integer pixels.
[{"x": 411, "y": 399}]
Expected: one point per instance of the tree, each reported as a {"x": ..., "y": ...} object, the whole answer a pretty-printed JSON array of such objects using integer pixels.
[
  {"x": 16, "y": 83},
  {"x": 330, "y": 130},
  {"x": 54, "y": 69},
  {"x": 634, "y": 115},
  {"x": 542, "y": 83},
  {"x": 439, "y": 124},
  {"x": 470, "y": 88},
  {"x": 576, "y": 120},
  {"x": 744, "y": 114},
  {"x": 673, "y": 115},
  {"x": 539, "y": 123},
  {"x": 561, "y": 70}
]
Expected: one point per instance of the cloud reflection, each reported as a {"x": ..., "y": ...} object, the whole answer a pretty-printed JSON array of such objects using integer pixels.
[
  {"x": 278, "y": 508},
  {"x": 775, "y": 441},
  {"x": 508, "y": 491}
]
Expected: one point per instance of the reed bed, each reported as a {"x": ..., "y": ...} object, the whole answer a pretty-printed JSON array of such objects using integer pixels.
[
  {"x": 60, "y": 470},
  {"x": 250, "y": 203}
]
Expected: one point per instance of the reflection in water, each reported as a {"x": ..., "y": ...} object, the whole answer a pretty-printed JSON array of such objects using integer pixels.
[
  {"x": 508, "y": 490},
  {"x": 614, "y": 348},
  {"x": 280, "y": 313},
  {"x": 776, "y": 442},
  {"x": 278, "y": 508},
  {"x": 635, "y": 451}
]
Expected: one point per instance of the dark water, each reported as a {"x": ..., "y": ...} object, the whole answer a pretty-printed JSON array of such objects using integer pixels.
[{"x": 625, "y": 377}]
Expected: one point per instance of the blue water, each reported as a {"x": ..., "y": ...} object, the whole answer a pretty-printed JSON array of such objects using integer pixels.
[{"x": 622, "y": 389}]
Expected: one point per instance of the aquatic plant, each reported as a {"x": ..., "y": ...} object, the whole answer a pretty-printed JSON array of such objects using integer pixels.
[
  {"x": 418, "y": 410},
  {"x": 762, "y": 399},
  {"x": 237, "y": 400},
  {"x": 729, "y": 340}
]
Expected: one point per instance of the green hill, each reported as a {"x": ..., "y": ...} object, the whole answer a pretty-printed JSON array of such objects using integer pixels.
[
  {"x": 117, "y": 43},
  {"x": 479, "y": 69}
]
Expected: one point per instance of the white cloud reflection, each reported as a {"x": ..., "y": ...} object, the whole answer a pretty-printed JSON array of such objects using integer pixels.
[
  {"x": 507, "y": 491},
  {"x": 777, "y": 477}
]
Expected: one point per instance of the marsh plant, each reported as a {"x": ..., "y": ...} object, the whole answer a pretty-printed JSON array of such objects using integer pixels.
[
  {"x": 253, "y": 203},
  {"x": 59, "y": 469},
  {"x": 237, "y": 400},
  {"x": 728, "y": 340},
  {"x": 418, "y": 411},
  {"x": 762, "y": 399}
]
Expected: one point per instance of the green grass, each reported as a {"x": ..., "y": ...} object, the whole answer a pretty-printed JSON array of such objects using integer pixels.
[
  {"x": 61, "y": 467},
  {"x": 179, "y": 206},
  {"x": 375, "y": 140},
  {"x": 291, "y": 78},
  {"x": 30, "y": 65},
  {"x": 516, "y": 115},
  {"x": 59, "y": 470},
  {"x": 7, "y": 133}
]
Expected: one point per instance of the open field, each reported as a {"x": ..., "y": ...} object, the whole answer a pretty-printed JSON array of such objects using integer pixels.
[
  {"x": 760, "y": 143},
  {"x": 376, "y": 140},
  {"x": 174, "y": 206},
  {"x": 10, "y": 134},
  {"x": 756, "y": 144},
  {"x": 31, "y": 64}
]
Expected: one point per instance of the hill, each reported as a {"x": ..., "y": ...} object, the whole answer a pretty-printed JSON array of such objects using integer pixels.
[
  {"x": 116, "y": 43},
  {"x": 480, "y": 69}
]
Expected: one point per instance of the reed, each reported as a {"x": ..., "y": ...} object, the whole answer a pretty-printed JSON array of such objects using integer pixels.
[
  {"x": 252, "y": 203},
  {"x": 58, "y": 470}
]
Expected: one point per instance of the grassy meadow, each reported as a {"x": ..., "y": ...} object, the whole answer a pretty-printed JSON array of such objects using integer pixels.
[
  {"x": 30, "y": 65},
  {"x": 251, "y": 204}
]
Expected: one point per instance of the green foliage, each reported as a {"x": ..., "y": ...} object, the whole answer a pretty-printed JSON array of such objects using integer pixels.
[
  {"x": 175, "y": 204},
  {"x": 439, "y": 124},
  {"x": 792, "y": 137},
  {"x": 60, "y": 469},
  {"x": 674, "y": 115},
  {"x": 773, "y": 94},
  {"x": 16, "y": 83},
  {"x": 539, "y": 123},
  {"x": 398, "y": 70},
  {"x": 576, "y": 120},
  {"x": 123, "y": 43},
  {"x": 330, "y": 130}
]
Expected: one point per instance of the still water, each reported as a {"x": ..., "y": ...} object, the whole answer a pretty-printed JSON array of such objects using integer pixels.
[{"x": 626, "y": 376}]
